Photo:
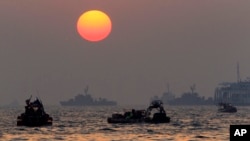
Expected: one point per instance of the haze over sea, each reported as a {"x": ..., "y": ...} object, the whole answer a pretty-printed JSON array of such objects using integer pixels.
[{"x": 188, "y": 123}]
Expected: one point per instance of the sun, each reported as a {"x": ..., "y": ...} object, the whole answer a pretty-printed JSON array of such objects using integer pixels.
[{"x": 94, "y": 25}]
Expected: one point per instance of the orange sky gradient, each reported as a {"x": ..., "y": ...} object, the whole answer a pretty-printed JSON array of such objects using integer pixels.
[{"x": 152, "y": 44}]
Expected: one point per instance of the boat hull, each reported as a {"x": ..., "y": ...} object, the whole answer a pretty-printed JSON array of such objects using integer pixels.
[
  {"x": 228, "y": 110},
  {"x": 112, "y": 120},
  {"x": 123, "y": 120},
  {"x": 34, "y": 120},
  {"x": 157, "y": 118}
]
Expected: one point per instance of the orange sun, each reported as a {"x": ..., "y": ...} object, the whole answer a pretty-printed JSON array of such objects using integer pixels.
[{"x": 94, "y": 25}]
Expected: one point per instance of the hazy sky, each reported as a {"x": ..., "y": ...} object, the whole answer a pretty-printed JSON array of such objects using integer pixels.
[{"x": 153, "y": 43}]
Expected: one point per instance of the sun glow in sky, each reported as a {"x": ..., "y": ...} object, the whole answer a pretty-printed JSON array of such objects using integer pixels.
[
  {"x": 129, "y": 54},
  {"x": 94, "y": 25}
]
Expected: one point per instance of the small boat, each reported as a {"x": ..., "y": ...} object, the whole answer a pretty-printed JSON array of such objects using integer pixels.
[
  {"x": 227, "y": 108},
  {"x": 134, "y": 116},
  {"x": 34, "y": 115},
  {"x": 142, "y": 116}
]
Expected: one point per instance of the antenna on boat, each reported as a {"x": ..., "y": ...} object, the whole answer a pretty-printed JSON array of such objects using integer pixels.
[
  {"x": 168, "y": 87},
  {"x": 38, "y": 95},
  {"x": 37, "y": 92},
  {"x": 86, "y": 90},
  {"x": 238, "y": 72},
  {"x": 192, "y": 88}
]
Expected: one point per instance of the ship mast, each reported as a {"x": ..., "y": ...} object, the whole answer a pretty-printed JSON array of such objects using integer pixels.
[
  {"x": 168, "y": 88},
  {"x": 238, "y": 72},
  {"x": 86, "y": 90}
]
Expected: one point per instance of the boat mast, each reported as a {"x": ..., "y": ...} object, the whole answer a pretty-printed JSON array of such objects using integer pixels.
[
  {"x": 168, "y": 91},
  {"x": 238, "y": 72},
  {"x": 86, "y": 90},
  {"x": 192, "y": 88}
]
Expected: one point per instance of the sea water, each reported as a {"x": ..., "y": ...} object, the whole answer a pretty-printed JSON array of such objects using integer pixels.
[{"x": 188, "y": 123}]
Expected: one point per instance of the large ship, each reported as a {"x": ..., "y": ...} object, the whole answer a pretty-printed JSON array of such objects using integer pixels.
[
  {"x": 187, "y": 98},
  {"x": 236, "y": 93},
  {"x": 87, "y": 100}
]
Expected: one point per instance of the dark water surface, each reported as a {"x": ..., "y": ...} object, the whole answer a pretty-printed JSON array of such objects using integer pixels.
[{"x": 188, "y": 123}]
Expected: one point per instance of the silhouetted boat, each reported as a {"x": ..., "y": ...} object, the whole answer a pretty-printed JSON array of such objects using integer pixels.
[
  {"x": 87, "y": 100},
  {"x": 187, "y": 98},
  {"x": 227, "y": 108},
  {"x": 142, "y": 116},
  {"x": 34, "y": 115}
]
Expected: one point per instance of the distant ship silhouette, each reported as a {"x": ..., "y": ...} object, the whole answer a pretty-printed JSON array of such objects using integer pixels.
[
  {"x": 187, "y": 98},
  {"x": 87, "y": 100}
]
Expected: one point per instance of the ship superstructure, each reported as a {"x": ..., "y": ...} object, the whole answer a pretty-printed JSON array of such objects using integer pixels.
[{"x": 236, "y": 93}]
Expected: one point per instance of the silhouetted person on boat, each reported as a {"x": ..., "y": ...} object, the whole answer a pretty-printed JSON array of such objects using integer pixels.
[
  {"x": 28, "y": 108},
  {"x": 157, "y": 104},
  {"x": 35, "y": 107},
  {"x": 37, "y": 104},
  {"x": 134, "y": 114}
]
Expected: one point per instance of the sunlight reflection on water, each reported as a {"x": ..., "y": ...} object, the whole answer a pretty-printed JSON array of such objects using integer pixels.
[{"x": 89, "y": 123}]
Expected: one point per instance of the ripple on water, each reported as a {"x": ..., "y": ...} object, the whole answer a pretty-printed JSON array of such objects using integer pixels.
[
  {"x": 59, "y": 138},
  {"x": 90, "y": 123},
  {"x": 107, "y": 129}
]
